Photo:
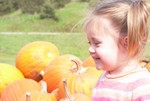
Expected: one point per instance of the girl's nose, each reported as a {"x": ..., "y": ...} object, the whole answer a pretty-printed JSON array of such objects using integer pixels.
[{"x": 91, "y": 50}]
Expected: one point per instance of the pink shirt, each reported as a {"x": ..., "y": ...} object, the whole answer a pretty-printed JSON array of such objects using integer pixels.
[{"x": 131, "y": 85}]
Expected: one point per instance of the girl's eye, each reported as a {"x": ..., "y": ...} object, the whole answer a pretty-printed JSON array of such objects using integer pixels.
[
  {"x": 89, "y": 43},
  {"x": 97, "y": 43}
]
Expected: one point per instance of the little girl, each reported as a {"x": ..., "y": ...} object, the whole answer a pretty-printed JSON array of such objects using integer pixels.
[{"x": 117, "y": 32}]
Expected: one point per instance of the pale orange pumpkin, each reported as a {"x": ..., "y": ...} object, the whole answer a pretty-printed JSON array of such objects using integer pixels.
[
  {"x": 8, "y": 74},
  {"x": 88, "y": 62},
  {"x": 35, "y": 56},
  {"x": 82, "y": 80},
  {"x": 14, "y": 90},
  {"x": 39, "y": 95},
  {"x": 75, "y": 97},
  {"x": 58, "y": 69}
]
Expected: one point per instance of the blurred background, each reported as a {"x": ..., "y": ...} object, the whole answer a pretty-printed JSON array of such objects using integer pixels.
[
  {"x": 42, "y": 15},
  {"x": 56, "y": 21}
]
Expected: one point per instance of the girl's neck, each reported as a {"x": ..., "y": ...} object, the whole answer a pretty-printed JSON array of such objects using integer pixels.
[{"x": 131, "y": 67}]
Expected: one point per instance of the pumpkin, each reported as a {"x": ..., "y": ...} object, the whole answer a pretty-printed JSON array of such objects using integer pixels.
[
  {"x": 58, "y": 69},
  {"x": 148, "y": 66},
  {"x": 145, "y": 63},
  {"x": 34, "y": 57},
  {"x": 14, "y": 90},
  {"x": 39, "y": 95},
  {"x": 39, "y": 78},
  {"x": 8, "y": 74},
  {"x": 82, "y": 80},
  {"x": 89, "y": 62},
  {"x": 75, "y": 97}
]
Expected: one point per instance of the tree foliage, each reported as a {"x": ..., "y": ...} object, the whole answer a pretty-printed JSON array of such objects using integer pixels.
[
  {"x": 48, "y": 12},
  {"x": 46, "y": 8},
  {"x": 59, "y": 3},
  {"x": 31, "y": 6},
  {"x": 8, "y": 6}
]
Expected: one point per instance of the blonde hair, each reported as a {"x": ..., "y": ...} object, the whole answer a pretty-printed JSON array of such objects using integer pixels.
[{"x": 129, "y": 17}]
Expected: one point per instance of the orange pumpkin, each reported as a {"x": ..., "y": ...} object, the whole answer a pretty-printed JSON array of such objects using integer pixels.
[
  {"x": 34, "y": 57},
  {"x": 39, "y": 78},
  {"x": 14, "y": 90},
  {"x": 75, "y": 97},
  {"x": 37, "y": 96},
  {"x": 148, "y": 66},
  {"x": 8, "y": 74},
  {"x": 82, "y": 80},
  {"x": 58, "y": 69},
  {"x": 89, "y": 62},
  {"x": 145, "y": 63}
]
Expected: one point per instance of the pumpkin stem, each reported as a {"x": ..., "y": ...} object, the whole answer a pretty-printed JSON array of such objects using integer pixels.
[
  {"x": 39, "y": 77},
  {"x": 78, "y": 67},
  {"x": 43, "y": 86},
  {"x": 28, "y": 96},
  {"x": 68, "y": 95},
  {"x": 146, "y": 60}
]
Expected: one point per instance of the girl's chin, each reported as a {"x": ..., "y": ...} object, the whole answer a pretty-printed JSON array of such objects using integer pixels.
[{"x": 98, "y": 67}]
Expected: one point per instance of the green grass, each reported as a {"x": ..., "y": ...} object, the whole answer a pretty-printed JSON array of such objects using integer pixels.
[
  {"x": 75, "y": 44},
  {"x": 68, "y": 17}
]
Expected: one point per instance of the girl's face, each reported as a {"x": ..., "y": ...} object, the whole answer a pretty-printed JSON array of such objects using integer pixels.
[{"x": 104, "y": 48}]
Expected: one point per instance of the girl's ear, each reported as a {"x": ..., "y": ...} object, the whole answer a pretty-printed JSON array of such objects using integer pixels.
[{"x": 125, "y": 42}]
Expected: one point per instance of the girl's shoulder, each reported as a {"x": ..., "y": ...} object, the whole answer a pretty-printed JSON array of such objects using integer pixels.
[{"x": 141, "y": 87}]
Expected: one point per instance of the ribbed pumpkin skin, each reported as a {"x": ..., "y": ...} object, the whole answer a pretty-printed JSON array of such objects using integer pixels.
[
  {"x": 80, "y": 82},
  {"x": 58, "y": 69},
  {"x": 8, "y": 74},
  {"x": 14, "y": 90},
  {"x": 89, "y": 62},
  {"x": 34, "y": 57},
  {"x": 39, "y": 96}
]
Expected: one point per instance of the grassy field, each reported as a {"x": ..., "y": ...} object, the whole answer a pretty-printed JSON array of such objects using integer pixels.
[{"x": 74, "y": 43}]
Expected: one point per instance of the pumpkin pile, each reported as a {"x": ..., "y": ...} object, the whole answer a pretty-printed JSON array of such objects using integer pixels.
[{"x": 39, "y": 75}]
